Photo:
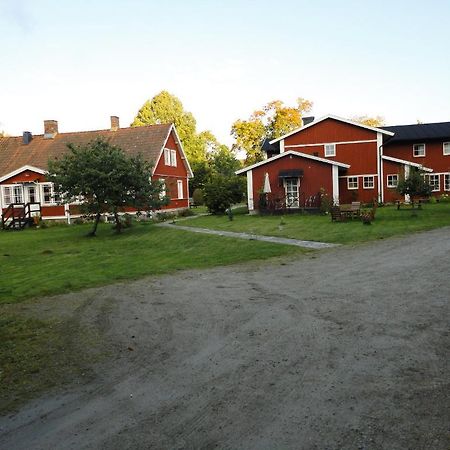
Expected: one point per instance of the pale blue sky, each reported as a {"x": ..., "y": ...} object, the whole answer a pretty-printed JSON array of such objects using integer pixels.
[{"x": 81, "y": 61}]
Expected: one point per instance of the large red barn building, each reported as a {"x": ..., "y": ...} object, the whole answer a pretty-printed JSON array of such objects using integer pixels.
[
  {"x": 24, "y": 160},
  {"x": 348, "y": 161}
]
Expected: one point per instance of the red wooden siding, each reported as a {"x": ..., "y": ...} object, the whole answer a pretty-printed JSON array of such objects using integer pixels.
[
  {"x": 316, "y": 175},
  {"x": 27, "y": 176},
  {"x": 434, "y": 157},
  {"x": 391, "y": 168},
  {"x": 358, "y": 195},
  {"x": 330, "y": 130}
]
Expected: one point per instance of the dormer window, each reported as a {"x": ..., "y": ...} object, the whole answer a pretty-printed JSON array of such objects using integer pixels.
[
  {"x": 418, "y": 150},
  {"x": 330, "y": 150}
]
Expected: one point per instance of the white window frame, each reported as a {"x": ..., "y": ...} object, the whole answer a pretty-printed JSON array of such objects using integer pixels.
[
  {"x": 369, "y": 177},
  {"x": 7, "y": 197},
  {"x": 180, "y": 189},
  {"x": 52, "y": 194},
  {"x": 446, "y": 181},
  {"x": 446, "y": 148},
  {"x": 173, "y": 158},
  {"x": 167, "y": 156},
  {"x": 163, "y": 192},
  {"x": 329, "y": 150},
  {"x": 390, "y": 180},
  {"x": 436, "y": 186},
  {"x": 415, "y": 150},
  {"x": 351, "y": 188}
]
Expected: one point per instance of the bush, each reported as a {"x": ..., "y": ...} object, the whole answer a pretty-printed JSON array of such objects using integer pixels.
[
  {"x": 186, "y": 213},
  {"x": 221, "y": 192},
  {"x": 197, "y": 197},
  {"x": 325, "y": 201}
]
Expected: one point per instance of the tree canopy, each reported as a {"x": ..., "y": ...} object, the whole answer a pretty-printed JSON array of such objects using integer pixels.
[
  {"x": 375, "y": 121},
  {"x": 272, "y": 121},
  {"x": 415, "y": 185},
  {"x": 105, "y": 179}
]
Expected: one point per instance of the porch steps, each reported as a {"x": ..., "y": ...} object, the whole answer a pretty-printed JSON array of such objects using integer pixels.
[{"x": 19, "y": 215}]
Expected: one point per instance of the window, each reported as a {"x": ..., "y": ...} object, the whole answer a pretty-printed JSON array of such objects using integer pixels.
[
  {"x": 180, "y": 188},
  {"x": 368, "y": 182},
  {"x": 167, "y": 157},
  {"x": 392, "y": 181},
  {"x": 48, "y": 195},
  {"x": 433, "y": 179},
  {"x": 7, "y": 195},
  {"x": 352, "y": 183},
  {"x": 330, "y": 150},
  {"x": 446, "y": 148},
  {"x": 419, "y": 150},
  {"x": 162, "y": 193},
  {"x": 446, "y": 181},
  {"x": 170, "y": 157},
  {"x": 17, "y": 194}
]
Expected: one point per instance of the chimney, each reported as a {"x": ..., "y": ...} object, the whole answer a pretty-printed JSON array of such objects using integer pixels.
[
  {"x": 114, "y": 123},
  {"x": 26, "y": 137},
  {"x": 307, "y": 120},
  {"x": 50, "y": 129}
]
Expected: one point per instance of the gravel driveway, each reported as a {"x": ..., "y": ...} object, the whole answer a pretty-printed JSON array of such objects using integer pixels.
[{"x": 345, "y": 348}]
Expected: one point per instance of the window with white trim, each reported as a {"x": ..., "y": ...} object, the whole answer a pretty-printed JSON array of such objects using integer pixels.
[
  {"x": 368, "y": 182},
  {"x": 446, "y": 148},
  {"x": 7, "y": 195},
  {"x": 392, "y": 181},
  {"x": 330, "y": 150},
  {"x": 48, "y": 196},
  {"x": 418, "y": 150},
  {"x": 163, "y": 191},
  {"x": 180, "y": 188},
  {"x": 352, "y": 183},
  {"x": 434, "y": 181},
  {"x": 173, "y": 158},
  {"x": 12, "y": 194},
  {"x": 167, "y": 156},
  {"x": 446, "y": 181}
]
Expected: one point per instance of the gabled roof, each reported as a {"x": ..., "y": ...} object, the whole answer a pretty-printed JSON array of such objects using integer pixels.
[
  {"x": 20, "y": 170},
  {"x": 407, "y": 163},
  {"x": 339, "y": 119},
  {"x": 419, "y": 132},
  {"x": 293, "y": 153},
  {"x": 146, "y": 140}
]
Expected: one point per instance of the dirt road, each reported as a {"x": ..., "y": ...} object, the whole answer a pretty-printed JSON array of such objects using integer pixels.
[{"x": 346, "y": 348}]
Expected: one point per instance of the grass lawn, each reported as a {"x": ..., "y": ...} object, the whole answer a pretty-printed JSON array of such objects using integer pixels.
[
  {"x": 389, "y": 222},
  {"x": 58, "y": 259},
  {"x": 37, "y": 351}
]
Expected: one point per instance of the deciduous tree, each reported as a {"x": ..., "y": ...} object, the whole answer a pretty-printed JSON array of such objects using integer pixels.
[
  {"x": 415, "y": 185},
  {"x": 272, "y": 121},
  {"x": 376, "y": 121},
  {"x": 106, "y": 180}
]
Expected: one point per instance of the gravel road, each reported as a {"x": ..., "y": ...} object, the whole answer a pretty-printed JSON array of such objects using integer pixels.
[{"x": 346, "y": 348}]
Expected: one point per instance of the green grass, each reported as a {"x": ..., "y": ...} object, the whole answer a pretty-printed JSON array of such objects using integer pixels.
[
  {"x": 389, "y": 222},
  {"x": 39, "y": 262}
]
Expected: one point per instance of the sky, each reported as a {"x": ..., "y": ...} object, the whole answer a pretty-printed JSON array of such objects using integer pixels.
[{"x": 79, "y": 62}]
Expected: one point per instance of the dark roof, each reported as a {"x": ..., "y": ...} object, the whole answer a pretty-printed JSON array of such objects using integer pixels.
[
  {"x": 270, "y": 148},
  {"x": 420, "y": 132},
  {"x": 14, "y": 154}
]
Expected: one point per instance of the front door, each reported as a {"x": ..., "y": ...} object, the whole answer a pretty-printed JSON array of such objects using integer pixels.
[
  {"x": 291, "y": 186},
  {"x": 30, "y": 192}
]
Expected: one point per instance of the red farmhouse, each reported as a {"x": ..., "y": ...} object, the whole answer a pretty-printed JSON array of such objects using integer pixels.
[
  {"x": 23, "y": 164},
  {"x": 348, "y": 161}
]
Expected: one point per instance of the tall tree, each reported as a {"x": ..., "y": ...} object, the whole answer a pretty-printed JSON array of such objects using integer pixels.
[
  {"x": 166, "y": 108},
  {"x": 272, "y": 121},
  {"x": 375, "y": 121},
  {"x": 106, "y": 179}
]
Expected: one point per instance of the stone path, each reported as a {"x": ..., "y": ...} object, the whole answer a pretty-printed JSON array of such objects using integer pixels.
[{"x": 253, "y": 237}]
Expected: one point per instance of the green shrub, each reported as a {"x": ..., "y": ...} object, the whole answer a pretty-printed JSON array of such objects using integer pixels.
[
  {"x": 221, "y": 192},
  {"x": 186, "y": 213},
  {"x": 197, "y": 197}
]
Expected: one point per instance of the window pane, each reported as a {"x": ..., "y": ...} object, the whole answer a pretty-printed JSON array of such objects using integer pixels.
[{"x": 446, "y": 148}]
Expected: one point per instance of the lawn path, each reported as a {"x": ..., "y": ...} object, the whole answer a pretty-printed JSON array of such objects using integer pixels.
[{"x": 255, "y": 237}]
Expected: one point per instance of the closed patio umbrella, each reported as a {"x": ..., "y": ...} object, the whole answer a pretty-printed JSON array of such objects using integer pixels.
[{"x": 266, "y": 188}]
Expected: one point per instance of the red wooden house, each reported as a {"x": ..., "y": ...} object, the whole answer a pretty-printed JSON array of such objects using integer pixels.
[
  {"x": 23, "y": 165},
  {"x": 346, "y": 160}
]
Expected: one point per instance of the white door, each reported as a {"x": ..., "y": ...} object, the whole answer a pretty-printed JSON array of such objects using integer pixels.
[
  {"x": 30, "y": 194},
  {"x": 291, "y": 186}
]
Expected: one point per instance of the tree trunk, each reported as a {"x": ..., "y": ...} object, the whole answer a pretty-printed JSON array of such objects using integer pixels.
[
  {"x": 94, "y": 230},
  {"x": 118, "y": 223}
]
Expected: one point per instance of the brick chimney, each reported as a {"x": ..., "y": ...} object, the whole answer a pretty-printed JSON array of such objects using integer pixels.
[
  {"x": 114, "y": 123},
  {"x": 26, "y": 137},
  {"x": 50, "y": 129}
]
